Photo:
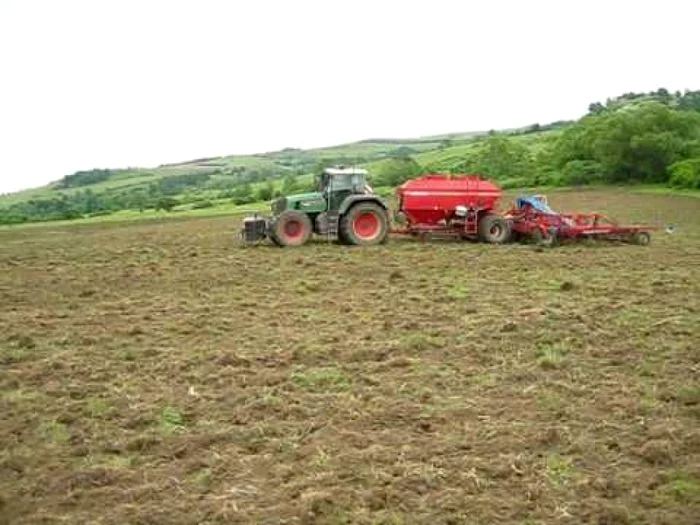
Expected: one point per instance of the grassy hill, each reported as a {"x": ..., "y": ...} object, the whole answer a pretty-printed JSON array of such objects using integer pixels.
[{"x": 630, "y": 139}]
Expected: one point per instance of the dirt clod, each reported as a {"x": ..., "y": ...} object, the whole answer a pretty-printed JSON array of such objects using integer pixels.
[
  {"x": 509, "y": 326},
  {"x": 657, "y": 452},
  {"x": 567, "y": 286}
]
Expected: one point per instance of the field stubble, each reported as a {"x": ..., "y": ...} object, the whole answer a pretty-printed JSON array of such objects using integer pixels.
[{"x": 157, "y": 373}]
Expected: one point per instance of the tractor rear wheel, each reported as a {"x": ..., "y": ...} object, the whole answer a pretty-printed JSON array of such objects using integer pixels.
[
  {"x": 494, "y": 229},
  {"x": 365, "y": 224},
  {"x": 291, "y": 228}
]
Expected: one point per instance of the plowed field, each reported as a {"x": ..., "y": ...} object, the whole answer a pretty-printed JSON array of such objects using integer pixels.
[{"x": 157, "y": 373}]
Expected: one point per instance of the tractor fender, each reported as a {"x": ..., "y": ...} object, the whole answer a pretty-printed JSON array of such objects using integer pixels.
[{"x": 354, "y": 199}]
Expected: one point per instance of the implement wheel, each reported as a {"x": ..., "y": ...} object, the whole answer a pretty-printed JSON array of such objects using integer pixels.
[
  {"x": 494, "y": 229},
  {"x": 365, "y": 224},
  {"x": 291, "y": 228},
  {"x": 641, "y": 238},
  {"x": 547, "y": 239}
]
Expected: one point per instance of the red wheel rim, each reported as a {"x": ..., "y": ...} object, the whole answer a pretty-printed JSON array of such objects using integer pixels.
[
  {"x": 366, "y": 226},
  {"x": 293, "y": 230}
]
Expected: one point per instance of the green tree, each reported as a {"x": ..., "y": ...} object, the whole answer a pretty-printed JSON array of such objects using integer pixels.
[
  {"x": 266, "y": 191},
  {"x": 634, "y": 143},
  {"x": 165, "y": 203},
  {"x": 690, "y": 100},
  {"x": 395, "y": 171},
  {"x": 596, "y": 108},
  {"x": 499, "y": 157},
  {"x": 686, "y": 174},
  {"x": 243, "y": 194},
  {"x": 289, "y": 185},
  {"x": 578, "y": 172}
]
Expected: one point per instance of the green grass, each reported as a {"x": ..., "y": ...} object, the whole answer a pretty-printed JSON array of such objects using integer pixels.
[
  {"x": 221, "y": 208},
  {"x": 665, "y": 190}
]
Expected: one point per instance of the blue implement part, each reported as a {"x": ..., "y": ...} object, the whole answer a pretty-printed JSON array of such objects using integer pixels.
[{"x": 536, "y": 203}]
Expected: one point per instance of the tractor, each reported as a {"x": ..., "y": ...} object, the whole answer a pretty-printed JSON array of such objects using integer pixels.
[{"x": 343, "y": 207}]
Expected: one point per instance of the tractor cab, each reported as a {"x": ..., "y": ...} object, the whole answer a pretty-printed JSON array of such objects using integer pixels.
[{"x": 338, "y": 183}]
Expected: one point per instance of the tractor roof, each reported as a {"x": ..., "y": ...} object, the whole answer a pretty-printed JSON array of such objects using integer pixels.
[{"x": 342, "y": 170}]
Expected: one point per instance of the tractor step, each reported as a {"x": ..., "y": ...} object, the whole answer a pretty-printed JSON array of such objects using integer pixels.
[{"x": 332, "y": 224}]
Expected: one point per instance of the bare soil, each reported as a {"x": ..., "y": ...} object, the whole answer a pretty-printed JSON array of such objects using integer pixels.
[{"x": 157, "y": 373}]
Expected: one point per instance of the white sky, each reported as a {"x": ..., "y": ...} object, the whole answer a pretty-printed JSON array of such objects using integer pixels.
[{"x": 116, "y": 83}]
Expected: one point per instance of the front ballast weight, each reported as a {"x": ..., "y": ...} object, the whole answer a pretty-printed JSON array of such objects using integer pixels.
[
  {"x": 290, "y": 228},
  {"x": 255, "y": 229}
]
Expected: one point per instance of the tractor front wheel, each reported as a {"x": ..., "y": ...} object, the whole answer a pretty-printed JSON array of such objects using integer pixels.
[
  {"x": 365, "y": 224},
  {"x": 291, "y": 228}
]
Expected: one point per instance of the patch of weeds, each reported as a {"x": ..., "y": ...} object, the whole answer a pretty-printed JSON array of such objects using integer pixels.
[
  {"x": 117, "y": 461},
  {"x": 681, "y": 487},
  {"x": 14, "y": 355},
  {"x": 135, "y": 330},
  {"x": 19, "y": 395},
  {"x": 648, "y": 398},
  {"x": 171, "y": 420},
  {"x": 114, "y": 461},
  {"x": 551, "y": 284},
  {"x": 203, "y": 479},
  {"x": 631, "y": 317},
  {"x": 550, "y": 356},
  {"x": 270, "y": 400},
  {"x": 549, "y": 402},
  {"x": 556, "y": 284},
  {"x": 329, "y": 379},
  {"x": 421, "y": 342},
  {"x": 129, "y": 354},
  {"x": 646, "y": 369},
  {"x": 23, "y": 341},
  {"x": 320, "y": 459},
  {"x": 18, "y": 349},
  {"x": 442, "y": 370},
  {"x": 267, "y": 400},
  {"x": 458, "y": 292},
  {"x": 689, "y": 395},
  {"x": 486, "y": 379},
  {"x": 303, "y": 287},
  {"x": 55, "y": 432},
  {"x": 559, "y": 470},
  {"x": 97, "y": 408}
]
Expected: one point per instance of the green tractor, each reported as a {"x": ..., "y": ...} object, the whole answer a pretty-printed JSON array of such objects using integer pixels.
[{"x": 343, "y": 207}]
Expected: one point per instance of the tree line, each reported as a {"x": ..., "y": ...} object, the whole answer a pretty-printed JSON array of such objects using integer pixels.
[{"x": 649, "y": 142}]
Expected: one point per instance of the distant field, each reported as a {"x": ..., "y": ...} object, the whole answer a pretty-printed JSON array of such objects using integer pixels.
[{"x": 155, "y": 372}]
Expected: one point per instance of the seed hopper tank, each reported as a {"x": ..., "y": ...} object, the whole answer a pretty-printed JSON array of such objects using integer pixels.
[{"x": 464, "y": 206}]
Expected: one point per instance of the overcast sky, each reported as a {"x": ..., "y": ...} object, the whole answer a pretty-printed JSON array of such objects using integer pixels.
[{"x": 117, "y": 83}]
